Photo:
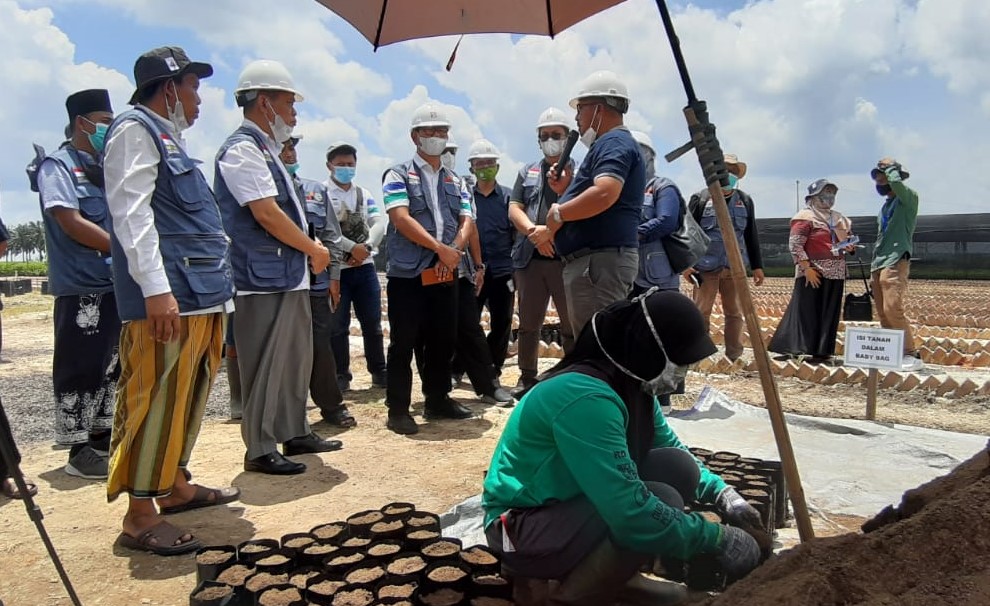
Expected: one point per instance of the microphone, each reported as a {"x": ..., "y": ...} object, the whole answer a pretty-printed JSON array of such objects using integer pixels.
[{"x": 565, "y": 156}]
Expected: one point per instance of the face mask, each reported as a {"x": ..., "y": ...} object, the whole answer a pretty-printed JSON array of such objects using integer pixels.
[
  {"x": 344, "y": 174},
  {"x": 292, "y": 168},
  {"x": 448, "y": 159},
  {"x": 176, "y": 113},
  {"x": 552, "y": 148},
  {"x": 883, "y": 190},
  {"x": 591, "y": 135},
  {"x": 668, "y": 379},
  {"x": 98, "y": 138},
  {"x": 823, "y": 201},
  {"x": 281, "y": 131},
  {"x": 733, "y": 181},
  {"x": 486, "y": 174},
  {"x": 432, "y": 146}
]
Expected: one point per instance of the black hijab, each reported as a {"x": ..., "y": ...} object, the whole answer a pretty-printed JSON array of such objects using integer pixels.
[{"x": 626, "y": 334}]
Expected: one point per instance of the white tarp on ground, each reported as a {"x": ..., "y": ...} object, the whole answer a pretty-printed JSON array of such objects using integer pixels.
[{"x": 847, "y": 467}]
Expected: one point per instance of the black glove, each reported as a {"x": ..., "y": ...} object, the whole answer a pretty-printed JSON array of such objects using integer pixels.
[
  {"x": 738, "y": 552},
  {"x": 736, "y": 511}
]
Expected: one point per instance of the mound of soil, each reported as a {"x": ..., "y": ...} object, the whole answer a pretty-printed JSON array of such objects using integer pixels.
[{"x": 929, "y": 551}]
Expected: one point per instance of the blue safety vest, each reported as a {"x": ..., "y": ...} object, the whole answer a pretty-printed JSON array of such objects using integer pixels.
[
  {"x": 75, "y": 269},
  {"x": 316, "y": 201},
  {"x": 406, "y": 259},
  {"x": 715, "y": 257},
  {"x": 191, "y": 239},
  {"x": 654, "y": 266},
  {"x": 261, "y": 262}
]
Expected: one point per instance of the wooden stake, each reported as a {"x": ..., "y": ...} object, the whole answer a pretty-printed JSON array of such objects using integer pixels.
[
  {"x": 770, "y": 393},
  {"x": 871, "y": 394}
]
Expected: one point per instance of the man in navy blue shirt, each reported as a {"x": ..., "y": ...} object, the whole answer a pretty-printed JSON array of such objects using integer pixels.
[{"x": 596, "y": 221}]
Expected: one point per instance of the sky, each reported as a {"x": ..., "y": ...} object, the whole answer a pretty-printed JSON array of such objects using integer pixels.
[{"x": 798, "y": 89}]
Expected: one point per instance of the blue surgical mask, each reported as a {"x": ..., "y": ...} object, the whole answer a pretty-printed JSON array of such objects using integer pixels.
[
  {"x": 344, "y": 174},
  {"x": 98, "y": 138},
  {"x": 733, "y": 180},
  {"x": 292, "y": 168}
]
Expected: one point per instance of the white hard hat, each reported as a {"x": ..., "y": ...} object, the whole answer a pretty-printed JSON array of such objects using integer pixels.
[
  {"x": 603, "y": 84},
  {"x": 429, "y": 114},
  {"x": 451, "y": 144},
  {"x": 266, "y": 75},
  {"x": 552, "y": 116},
  {"x": 483, "y": 149},
  {"x": 644, "y": 140}
]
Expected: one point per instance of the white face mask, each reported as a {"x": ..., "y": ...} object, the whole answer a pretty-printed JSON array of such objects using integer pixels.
[
  {"x": 591, "y": 135},
  {"x": 668, "y": 379},
  {"x": 281, "y": 131},
  {"x": 176, "y": 113},
  {"x": 432, "y": 146},
  {"x": 448, "y": 159},
  {"x": 552, "y": 148}
]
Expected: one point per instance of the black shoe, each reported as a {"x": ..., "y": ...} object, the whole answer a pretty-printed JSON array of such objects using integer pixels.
[
  {"x": 344, "y": 385},
  {"x": 498, "y": 397},
  {"x": 379, "y": 380},
  {"x": 446, "y": 408},
  {"x": 525, "y": 383},
  {"x": 274, "y": 464},
  {"x": 402, "y": 423},
  {"x": 456, "y": 379},
  {"x": 309, "y": 444}
]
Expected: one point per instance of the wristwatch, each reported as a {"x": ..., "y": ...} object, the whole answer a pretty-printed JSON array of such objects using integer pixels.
[
  {"x": 480, "y": 267},
  {"x": 370, "y": 248},
  {"x": 556, "y": 215}
]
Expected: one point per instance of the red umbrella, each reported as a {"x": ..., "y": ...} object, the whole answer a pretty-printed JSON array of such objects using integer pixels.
[{"x": 387, "y": 21}]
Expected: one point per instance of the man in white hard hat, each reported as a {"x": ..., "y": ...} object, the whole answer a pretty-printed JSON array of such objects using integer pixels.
[
  {"x": 711, "y": 275},
  {"x": 485, "y": 276},
  {"x": 429, "y": 224},
  {"x": 172, "y": 282},
  {"x": 539, "y": 271},
  {"x": 596, "y": 221},
  {"x": 324, "y": 290},
  {"x": 270, "y": 251},
  {"x": 362, "y": 223}
]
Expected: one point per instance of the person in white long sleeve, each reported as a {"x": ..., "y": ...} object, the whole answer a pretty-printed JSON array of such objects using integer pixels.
[{"x": 172, "y": 281}]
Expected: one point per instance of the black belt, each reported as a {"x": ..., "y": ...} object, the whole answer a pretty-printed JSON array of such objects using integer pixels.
[{"x": 584, "y": 252}]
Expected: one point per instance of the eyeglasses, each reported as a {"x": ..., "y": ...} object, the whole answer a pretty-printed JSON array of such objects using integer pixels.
[
  {"x": 556, "y": 136},
  {"x": 432, "y": 131},
  {"x": 580, "y": 106}
]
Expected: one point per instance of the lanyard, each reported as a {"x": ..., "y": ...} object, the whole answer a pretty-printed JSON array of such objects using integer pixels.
[{"x": 887, "y": 213}]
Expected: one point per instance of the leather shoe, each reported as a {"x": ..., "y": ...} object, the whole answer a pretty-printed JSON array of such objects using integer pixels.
[
  {"x": 499, "y": 397},
  {"x": 274, "y": 464},
  {"x": 525, "y": 383},
  {"x": 402, "y": 423},
  {"x": 446, "y": 408},
  {"x": 379, "y": 380},
  {"x": 309, "y": 444}
]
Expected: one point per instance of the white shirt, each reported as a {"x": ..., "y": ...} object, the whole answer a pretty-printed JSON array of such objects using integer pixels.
[
  {"x": 130, "y": 169},
  {"x": 244, "y": 169},
  {"x": 344, "y": 202}
]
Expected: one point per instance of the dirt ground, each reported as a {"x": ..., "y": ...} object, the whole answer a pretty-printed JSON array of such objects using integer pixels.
[{"x": 435, "y": 469}]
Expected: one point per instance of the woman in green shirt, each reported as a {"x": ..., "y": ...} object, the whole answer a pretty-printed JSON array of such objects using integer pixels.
[{"x": 588, "y": 482}]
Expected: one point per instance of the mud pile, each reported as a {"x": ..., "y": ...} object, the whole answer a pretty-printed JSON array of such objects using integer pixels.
[{"x": 931, "y": 550}]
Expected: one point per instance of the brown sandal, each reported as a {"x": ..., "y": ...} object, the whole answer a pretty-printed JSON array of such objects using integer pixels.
[
  {"x": 160, "y": 539},
  {"x": 204, "y": 497},
  {"x": 11, "y": 491}
]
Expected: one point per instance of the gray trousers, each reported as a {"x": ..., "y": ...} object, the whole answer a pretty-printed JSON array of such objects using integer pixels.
[
  {"x": 274, "y": 337},
  {"x": 536, "y": 283},
  {"x": 597, "y": 280}
]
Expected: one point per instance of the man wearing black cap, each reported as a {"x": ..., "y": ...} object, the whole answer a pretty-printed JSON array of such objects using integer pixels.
[
  {"x": 173, "y": 283},
  {"x": 85, "y": 365}
]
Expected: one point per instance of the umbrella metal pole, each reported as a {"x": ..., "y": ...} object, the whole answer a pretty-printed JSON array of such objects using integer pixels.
[{"x": 738, "y": 272}]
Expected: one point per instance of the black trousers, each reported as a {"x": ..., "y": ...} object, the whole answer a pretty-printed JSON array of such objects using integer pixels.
[
  {"x": 473, "y": 357},
  {"x": 323, "y": 386},
  {"x": 499, "y": 299},
  {"x": 552, "y": 540},
  {"x": 427, "y": 315},
  {"x": 6, "y": 434},
  {"x": 810, "y": 324}
]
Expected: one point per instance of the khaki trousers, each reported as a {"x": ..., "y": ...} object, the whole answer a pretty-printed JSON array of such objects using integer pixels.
[
  {"x": 889, "y": 292},
  {"x": 719, "y": 282}
]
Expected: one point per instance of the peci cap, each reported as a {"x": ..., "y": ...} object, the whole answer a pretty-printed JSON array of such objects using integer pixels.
[
  {"x": 163, "y": 63},
  {"x": 87, "y": 102},
  {"x": 340, "y": 147}
]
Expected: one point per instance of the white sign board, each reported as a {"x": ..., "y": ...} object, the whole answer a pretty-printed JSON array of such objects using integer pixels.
[{"x": 874, "y": 348}]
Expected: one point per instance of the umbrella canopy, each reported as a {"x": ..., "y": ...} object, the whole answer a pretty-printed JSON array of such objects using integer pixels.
[{"x": 388, "y": 21}]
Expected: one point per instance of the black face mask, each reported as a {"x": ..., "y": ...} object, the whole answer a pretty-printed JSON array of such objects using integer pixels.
[{"x": 883, "y": 190}]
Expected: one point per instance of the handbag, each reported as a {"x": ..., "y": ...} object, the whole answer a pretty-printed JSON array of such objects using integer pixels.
[
  {"x": 687, "y": 244},
  {"x": 859, "y": 308}
]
